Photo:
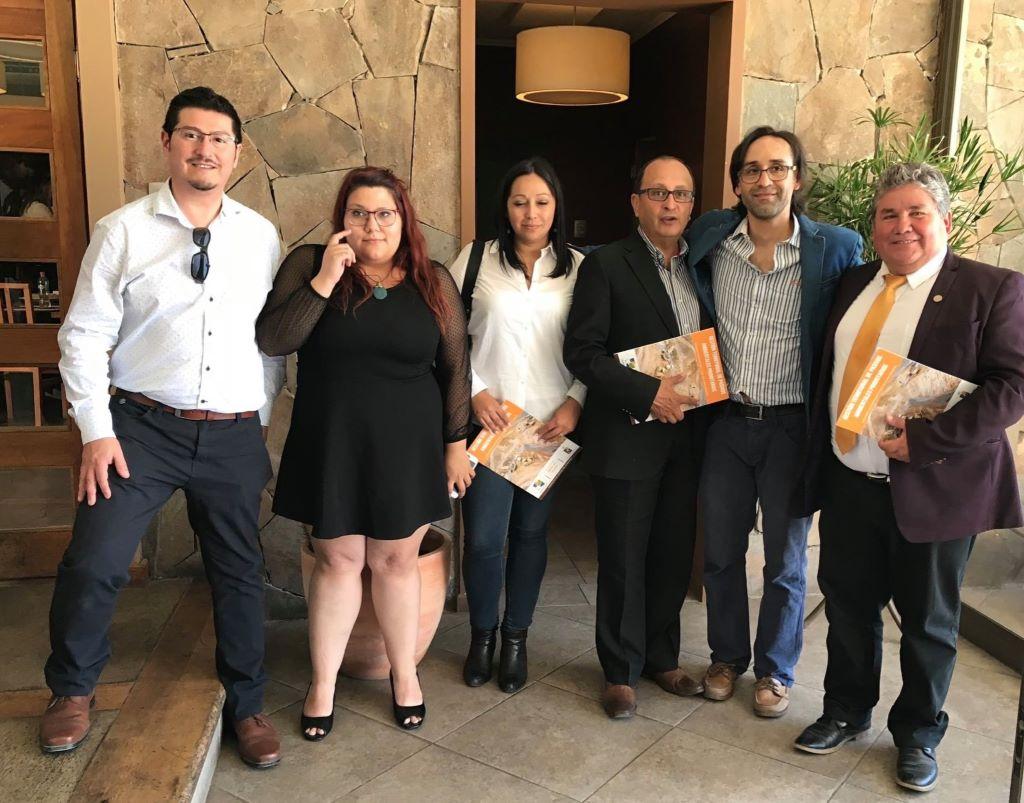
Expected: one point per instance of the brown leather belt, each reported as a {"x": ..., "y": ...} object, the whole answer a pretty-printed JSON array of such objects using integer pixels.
[{"x": 190, "y": 415}]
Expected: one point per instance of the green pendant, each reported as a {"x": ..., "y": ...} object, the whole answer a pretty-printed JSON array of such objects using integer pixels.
[{"x": 380, "y": 292}]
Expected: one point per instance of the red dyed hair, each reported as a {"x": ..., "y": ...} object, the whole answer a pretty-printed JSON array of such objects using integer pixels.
[{"x": 411, "y": 255}]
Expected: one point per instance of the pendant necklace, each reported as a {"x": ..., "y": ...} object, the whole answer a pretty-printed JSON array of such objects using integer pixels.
[{"x": 380, "y": 292}]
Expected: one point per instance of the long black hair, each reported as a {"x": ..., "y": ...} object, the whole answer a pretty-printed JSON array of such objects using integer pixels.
[{"x": 506, "y": 237}]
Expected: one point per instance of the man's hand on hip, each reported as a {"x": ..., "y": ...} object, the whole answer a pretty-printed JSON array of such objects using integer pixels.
[{"x": 97, "y": 456}]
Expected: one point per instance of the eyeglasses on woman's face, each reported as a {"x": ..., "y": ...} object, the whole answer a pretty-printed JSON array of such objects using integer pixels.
[{"x": 362, "y": 217}]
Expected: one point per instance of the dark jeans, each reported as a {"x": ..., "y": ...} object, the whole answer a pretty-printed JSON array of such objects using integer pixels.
[
  {"x": 645, "y": 535},
  {"x": 493, "y": 511},
  {"x": 865, "y": 562},
  {"x": 222, "y": 467},
  {"x": 747, "y": 461}
]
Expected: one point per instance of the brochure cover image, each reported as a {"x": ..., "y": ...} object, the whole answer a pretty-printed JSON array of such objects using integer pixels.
[
  {"x": 694, "y": 356},
  {"x": 900, "y": 386},
  {"x": 518, "y": 454}
]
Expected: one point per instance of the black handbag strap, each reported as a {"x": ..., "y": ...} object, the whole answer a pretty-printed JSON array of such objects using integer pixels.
[{"x": 476, "y": 256}]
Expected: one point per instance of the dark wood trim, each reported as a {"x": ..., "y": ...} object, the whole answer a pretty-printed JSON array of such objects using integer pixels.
[
  {"x": 47, "y": 448},
  {"x": 34, "y": 345},
  {"x": 30, "y": 240},
  {"x": 948, "y": 78},
  {"x": 27, "y": 129},
  {"x": 467, "y": 121},
  {"x": 22, "y": 22},
  {"x": 32, "y": 553},
  {"x": 724, "y": 101}
]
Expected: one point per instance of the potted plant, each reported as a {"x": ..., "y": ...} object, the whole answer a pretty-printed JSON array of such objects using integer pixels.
[{"x": 842, "y": 194}]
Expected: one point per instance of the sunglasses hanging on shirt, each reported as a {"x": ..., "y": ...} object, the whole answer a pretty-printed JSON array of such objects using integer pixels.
[{"x": 201, "y": 259}]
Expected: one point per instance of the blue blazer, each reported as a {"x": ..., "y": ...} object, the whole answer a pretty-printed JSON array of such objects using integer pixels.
[{"x": 825, "y": 253}]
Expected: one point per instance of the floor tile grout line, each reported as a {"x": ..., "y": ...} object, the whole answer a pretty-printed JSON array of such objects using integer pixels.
[
  {"x": 597, "y": 703},
  {"x": 760, "y": 755},
  {"x": 498, "y": 769},
  {"x": 633, "y": 761},
  {"x": 397, "y": 764}
]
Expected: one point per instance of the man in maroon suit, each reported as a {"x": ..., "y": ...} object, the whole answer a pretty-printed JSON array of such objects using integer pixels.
[{"x": 899, "y": 516}]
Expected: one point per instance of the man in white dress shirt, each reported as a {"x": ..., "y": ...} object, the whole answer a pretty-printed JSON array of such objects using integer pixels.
[
  {"x": 164, "y": 311},
  {"x": 899, "y": 515}
]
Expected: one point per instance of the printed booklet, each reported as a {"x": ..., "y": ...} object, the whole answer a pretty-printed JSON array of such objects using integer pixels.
[
  {"x": 695, "y": 356},
  {"x": 518, "y": 455},
  {"x": 898, "y": 385}
]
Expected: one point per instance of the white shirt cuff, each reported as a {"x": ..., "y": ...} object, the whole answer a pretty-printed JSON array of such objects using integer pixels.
[{"x": 95, "y": 424}]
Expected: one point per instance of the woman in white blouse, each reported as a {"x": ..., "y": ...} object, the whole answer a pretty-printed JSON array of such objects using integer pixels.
[{"x": 521, "y": 300}]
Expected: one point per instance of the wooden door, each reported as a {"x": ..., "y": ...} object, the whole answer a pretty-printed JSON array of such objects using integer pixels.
[{"x": 42, "y": 239}]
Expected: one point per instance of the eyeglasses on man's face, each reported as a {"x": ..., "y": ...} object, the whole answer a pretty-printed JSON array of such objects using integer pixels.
[
  {"x": 659, "y": 194},
  {"x": 193, "y": 136},
  {"x": 201, "y": 259},
  {"x": 751, "y": 174},
  {"x": 361, "y": 217}
]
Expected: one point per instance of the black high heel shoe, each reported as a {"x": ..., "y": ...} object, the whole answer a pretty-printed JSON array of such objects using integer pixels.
[
  {"x": 405, "y": 712},
  {"x": 307, "y": 723}
]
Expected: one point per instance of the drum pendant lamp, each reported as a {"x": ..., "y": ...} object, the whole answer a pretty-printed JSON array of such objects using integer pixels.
[{"x": 572, "y": 65}]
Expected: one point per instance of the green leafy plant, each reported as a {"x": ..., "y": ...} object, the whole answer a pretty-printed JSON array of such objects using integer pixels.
[{"x": 842, "y": 194}]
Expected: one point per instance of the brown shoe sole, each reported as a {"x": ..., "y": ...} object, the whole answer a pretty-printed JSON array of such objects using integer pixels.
[
  {"x": 51, "y": 749},
  {"x": 714, "y": 694},
  {"x": 771, "y": 713},
  {"x": 265, "y": 765}
]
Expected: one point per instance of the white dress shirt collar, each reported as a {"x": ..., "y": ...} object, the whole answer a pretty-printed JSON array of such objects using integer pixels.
[
  {"x": 743, "y": 229},
  {"x": 923, "y": 273},
  {"x": 164, "y": 203}
]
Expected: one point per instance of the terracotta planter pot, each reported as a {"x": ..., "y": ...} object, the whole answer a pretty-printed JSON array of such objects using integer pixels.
[{"x": 365, "y": 657}]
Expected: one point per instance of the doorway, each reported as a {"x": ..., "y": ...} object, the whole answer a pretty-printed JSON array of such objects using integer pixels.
[
  {"x": 685, "y": 82},
  {"x": 42, "y": 239}
]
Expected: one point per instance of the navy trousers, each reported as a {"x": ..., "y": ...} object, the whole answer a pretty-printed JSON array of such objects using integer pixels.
[
  {"x": 746, "y": 461},
  {"x": 222, "y": 467}
]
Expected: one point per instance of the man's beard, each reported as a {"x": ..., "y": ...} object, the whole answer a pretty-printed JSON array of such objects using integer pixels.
[
  {"x": 202, "y": 186},
  {"x": 767, "y": 210}
]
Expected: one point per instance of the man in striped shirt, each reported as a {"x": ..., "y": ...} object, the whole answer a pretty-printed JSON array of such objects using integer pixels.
[{"x": 766, "y": 273}]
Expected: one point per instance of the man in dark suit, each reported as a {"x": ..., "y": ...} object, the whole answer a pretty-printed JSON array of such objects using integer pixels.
[
  {"x": 767, "y": 274},
  {"x": 899, "y": 516},
  {"x": 631, "y": 293}
]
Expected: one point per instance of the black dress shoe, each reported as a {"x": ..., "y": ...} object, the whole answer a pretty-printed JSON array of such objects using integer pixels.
[
  {"x": 407, "y": 717},
  {"x": 917, "y": 768},
  {"x": 512, "y": 661},
  {"x": 827, "y": 735},
  {"x": 477, "y": 669},
  {"x": 308, "y": 723}
]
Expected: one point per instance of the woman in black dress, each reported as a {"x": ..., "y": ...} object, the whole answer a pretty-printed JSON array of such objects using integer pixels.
[{"x": 377, "y": 443}]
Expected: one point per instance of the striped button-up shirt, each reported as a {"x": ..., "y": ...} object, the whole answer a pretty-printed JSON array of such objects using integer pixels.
[
  {"x": 681, "y": 293},
  {"x": 759, "y": 319}
]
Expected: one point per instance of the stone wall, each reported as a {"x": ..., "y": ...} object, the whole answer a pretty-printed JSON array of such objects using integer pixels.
[
  {"x": 817, "y": 66},
  {"x": 993, "y": 96},
  {"x": 322, "y": 86}
]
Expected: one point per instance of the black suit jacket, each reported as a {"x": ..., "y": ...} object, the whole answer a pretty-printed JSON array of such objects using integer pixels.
[
  {"x": 961, "y": 478},
  {"x": 619, "y": 303}
]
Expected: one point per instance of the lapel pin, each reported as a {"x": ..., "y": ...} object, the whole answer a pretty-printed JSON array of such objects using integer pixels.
[{"x": 937, "y": 298}]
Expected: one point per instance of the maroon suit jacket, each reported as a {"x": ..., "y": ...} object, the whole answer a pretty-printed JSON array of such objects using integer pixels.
[{"x": 961, "y": 479}]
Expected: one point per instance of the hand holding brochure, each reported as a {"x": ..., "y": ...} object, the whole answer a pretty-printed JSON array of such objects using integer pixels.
[
  {"x": 902, "y": 387},
  {"x": 519, "y": 455},
  {"x": 694, "y": 356}
]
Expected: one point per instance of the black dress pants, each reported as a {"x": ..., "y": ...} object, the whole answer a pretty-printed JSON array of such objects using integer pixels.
[
  {"x": 865, "y": 562},
  {"x": 222, "y": 466},
  {"x": 645, "y": 536}
]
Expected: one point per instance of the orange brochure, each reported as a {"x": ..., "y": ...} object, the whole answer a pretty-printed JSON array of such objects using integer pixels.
[
  {"x": 518, "y": 455},
  {"x": 902, "y": 387},
  {"x": 694, "y": 356}
]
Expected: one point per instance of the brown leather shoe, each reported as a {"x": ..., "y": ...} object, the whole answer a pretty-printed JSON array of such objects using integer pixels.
[
  {"x": 771, "y": 697},
  {"x": 676, "y": 681},
  {"x": 65, "y": 723},
  {"x": 720, "y": 681},
  {"x": 619, "y": 700},
  {"x": 258, "y": 743}
]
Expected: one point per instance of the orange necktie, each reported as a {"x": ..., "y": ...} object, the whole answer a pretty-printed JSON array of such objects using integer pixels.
[{"x": 863, "y": 347}]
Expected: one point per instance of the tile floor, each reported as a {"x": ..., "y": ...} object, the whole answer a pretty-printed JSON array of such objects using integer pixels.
[{"x": 551, "y": 740}]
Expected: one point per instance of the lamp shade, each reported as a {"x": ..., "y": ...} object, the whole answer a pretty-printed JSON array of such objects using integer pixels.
[{"x": 570, "y": 65}]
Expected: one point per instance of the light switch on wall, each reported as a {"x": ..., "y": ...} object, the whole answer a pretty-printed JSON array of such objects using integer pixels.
[{"x": 579, "y": 228}]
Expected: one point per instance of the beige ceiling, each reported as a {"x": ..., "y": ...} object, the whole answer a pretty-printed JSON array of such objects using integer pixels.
[{"x": 498, "y": 21}]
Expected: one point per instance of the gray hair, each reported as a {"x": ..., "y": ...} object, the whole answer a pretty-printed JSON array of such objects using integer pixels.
[{"x": 924, "y": 175}]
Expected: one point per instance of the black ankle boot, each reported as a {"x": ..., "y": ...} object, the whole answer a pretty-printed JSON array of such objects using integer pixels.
[
  {"x": 512, "y": 661},
  {"x": 477, "y": 669}
]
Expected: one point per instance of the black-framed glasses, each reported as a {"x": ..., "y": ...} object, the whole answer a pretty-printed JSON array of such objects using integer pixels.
[
  {"x": 193, "y": 136},
  {"x": 751, "y": 174},
  {"x": 201, "y": 259},
  {"x": 660, "y": 194},
  {"x": 361, "y": 217}
]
